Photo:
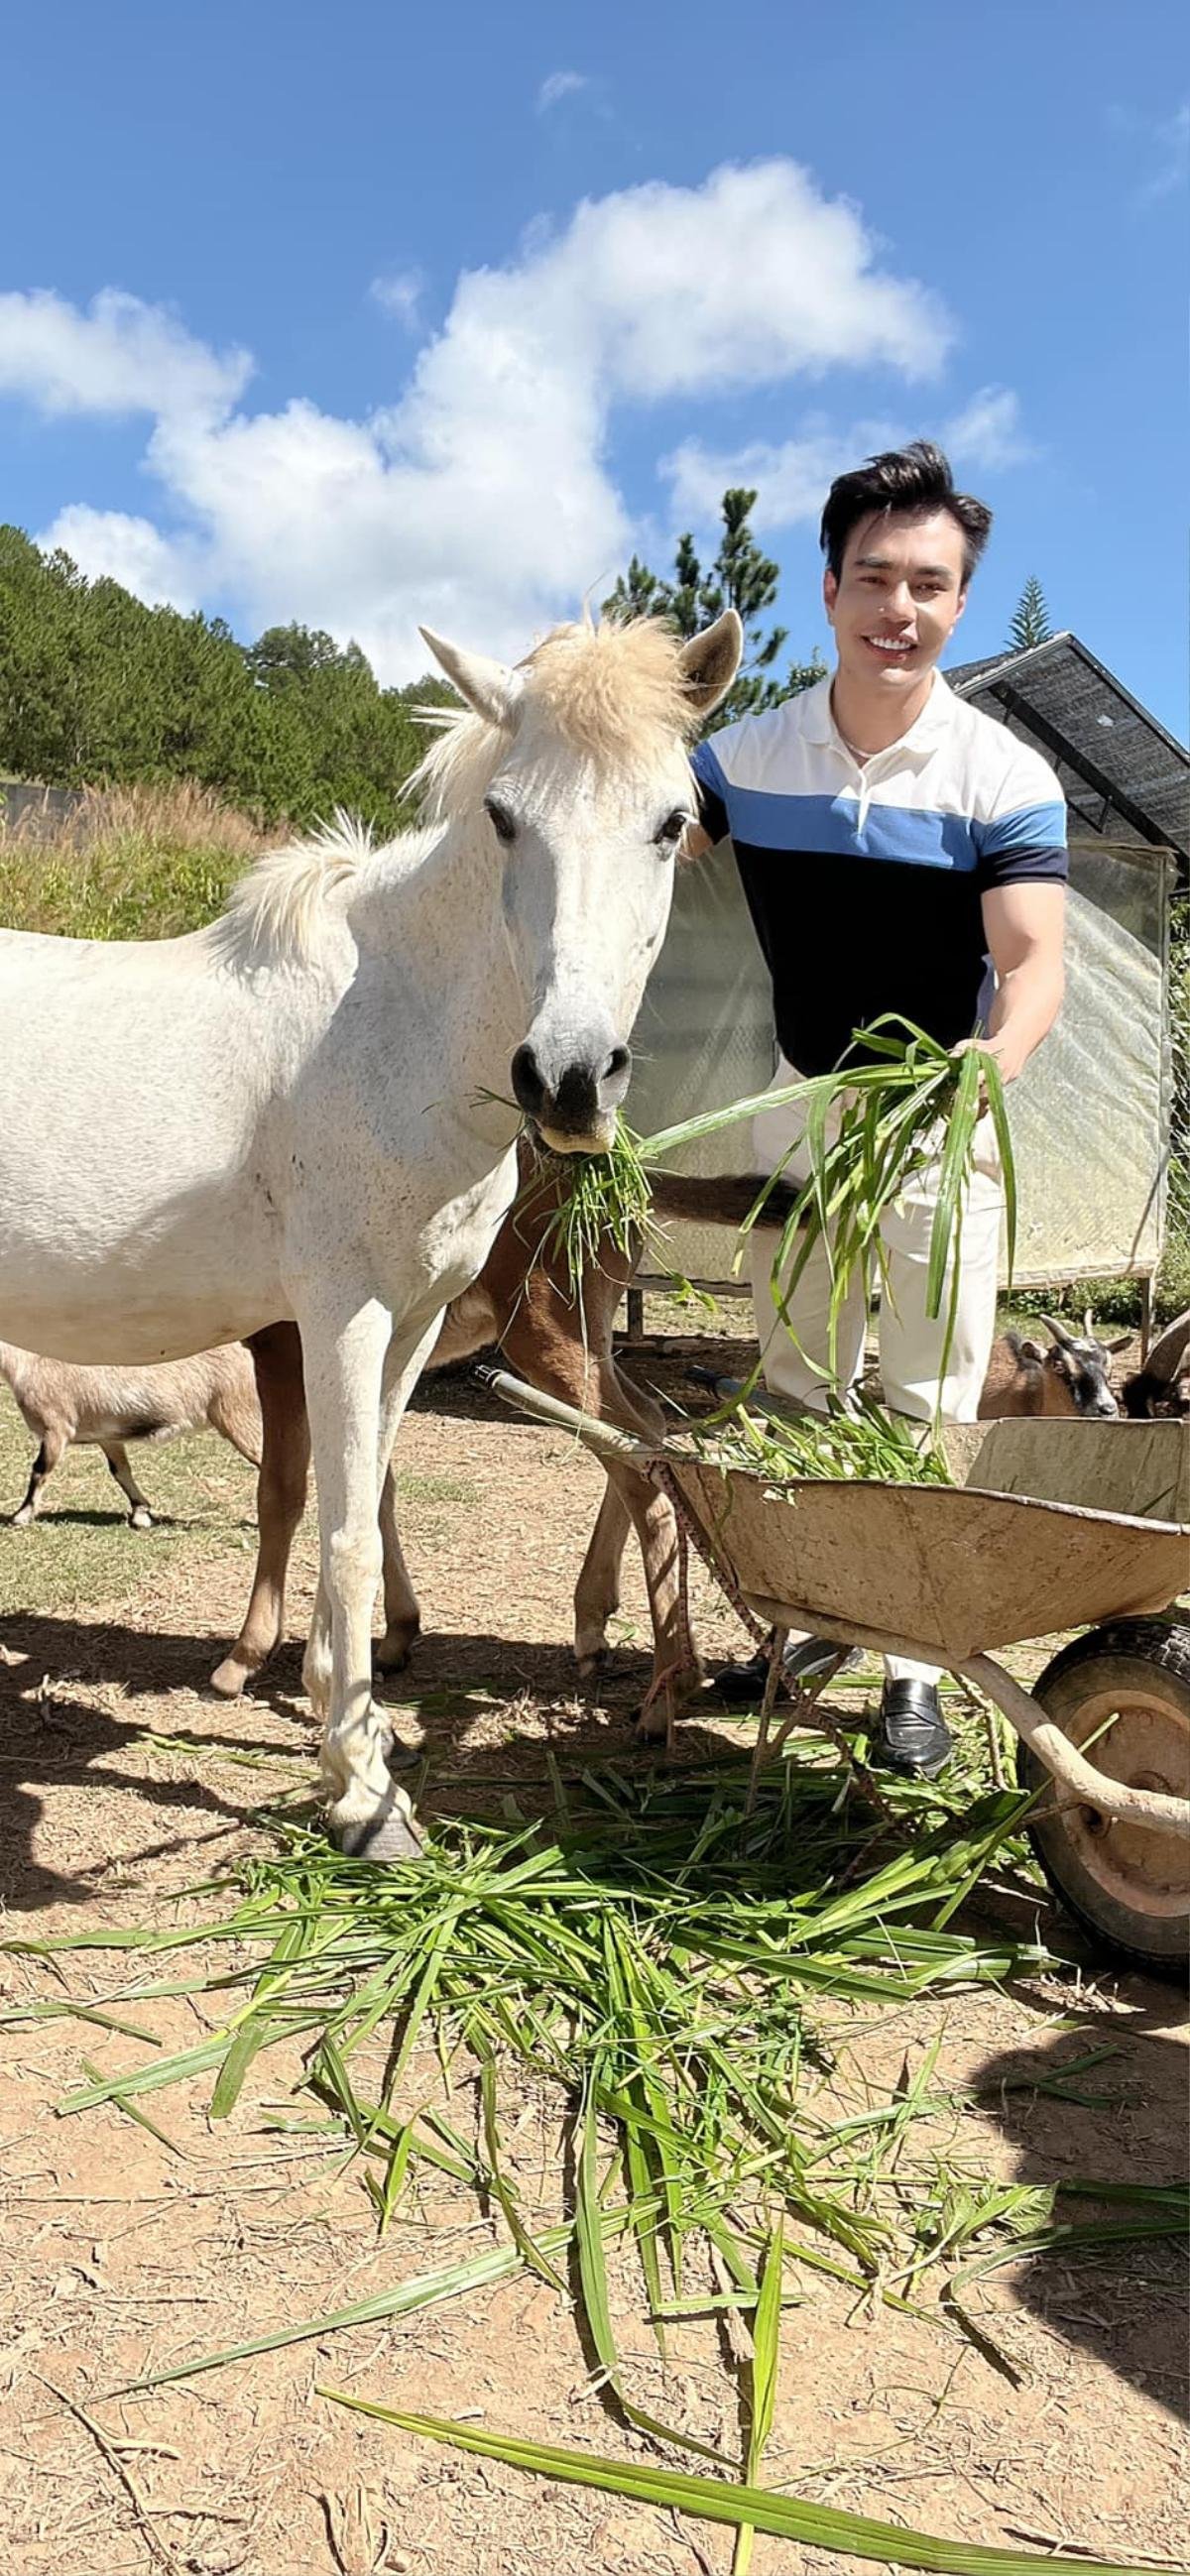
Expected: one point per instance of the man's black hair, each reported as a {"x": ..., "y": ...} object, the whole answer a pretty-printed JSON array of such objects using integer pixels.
[{"x": 915, "y": 480}]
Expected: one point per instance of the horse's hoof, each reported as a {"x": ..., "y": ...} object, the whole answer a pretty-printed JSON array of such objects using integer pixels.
[
  {"x": 388, "y": 1837},
  {"x": 391, "y": 1653},
  {"x": 24, "y": 1518},
  {"x": 232, "y": 1676},
  {"x": 590, "y": 1661},
  {"x": 140, "y": 1519}
]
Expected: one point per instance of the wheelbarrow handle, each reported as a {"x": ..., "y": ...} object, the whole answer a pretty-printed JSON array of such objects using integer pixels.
[{"x": 602, "y": 1437}]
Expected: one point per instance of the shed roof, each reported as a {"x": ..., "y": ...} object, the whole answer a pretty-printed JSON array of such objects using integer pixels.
[{"x": 1125, "y": 778}]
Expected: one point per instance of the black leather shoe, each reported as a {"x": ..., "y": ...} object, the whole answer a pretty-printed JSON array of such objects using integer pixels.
[
  {"x": 912, "y": 1736},
  {"x": 743, "y": 1684}
]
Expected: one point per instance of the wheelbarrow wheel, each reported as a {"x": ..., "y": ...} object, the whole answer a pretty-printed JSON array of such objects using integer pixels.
[{"x": 1128, "y": 1687}]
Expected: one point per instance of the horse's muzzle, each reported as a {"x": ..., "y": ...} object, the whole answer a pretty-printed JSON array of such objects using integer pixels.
[{"x": 573, "y": 1107}]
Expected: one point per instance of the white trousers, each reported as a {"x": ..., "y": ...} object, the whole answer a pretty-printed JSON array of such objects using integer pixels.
[{"x": 911, "y": 1341}]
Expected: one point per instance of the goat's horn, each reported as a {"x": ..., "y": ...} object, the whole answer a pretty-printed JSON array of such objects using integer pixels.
[
  {"x": 1166, "y": 1356},
  {"x": 1064, "y": 1339}
]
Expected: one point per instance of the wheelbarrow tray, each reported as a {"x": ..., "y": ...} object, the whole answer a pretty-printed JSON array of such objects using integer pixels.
[{"x": 944, "y": 1572}]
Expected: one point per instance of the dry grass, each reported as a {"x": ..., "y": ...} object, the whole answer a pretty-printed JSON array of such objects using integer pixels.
[{"x": 130, "y": 863}]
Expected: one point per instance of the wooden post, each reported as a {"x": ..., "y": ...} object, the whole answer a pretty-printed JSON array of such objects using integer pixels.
[{"x": 636, "y": 1315}]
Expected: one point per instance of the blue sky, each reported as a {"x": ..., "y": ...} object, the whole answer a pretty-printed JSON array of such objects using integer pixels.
[{"x": 377, "y": 315}]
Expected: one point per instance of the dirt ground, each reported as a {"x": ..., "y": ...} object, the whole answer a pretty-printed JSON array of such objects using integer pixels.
[{"x": 127, "y": 1784}]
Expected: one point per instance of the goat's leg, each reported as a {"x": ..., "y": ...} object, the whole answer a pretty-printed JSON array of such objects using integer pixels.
[
  {"x": 54, "y": 1443},
  {"x": 358, "y": 1381},
  {"x": 236, "y": 1422},
  {"x": 280, "y": 1501},
  {"x": 597, "y": 1592},
  {"x": 141, "y": 1516},
  {"x": 402, "y": 1617}
]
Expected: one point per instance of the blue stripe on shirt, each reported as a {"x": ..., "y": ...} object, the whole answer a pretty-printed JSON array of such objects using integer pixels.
[
  {"x": 1032, "y": 827},
  {"x": 831, "y": 825},
  {"x": 908, "y": 835}
]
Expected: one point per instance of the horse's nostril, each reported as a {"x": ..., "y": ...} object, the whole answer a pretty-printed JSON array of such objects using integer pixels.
[
  {"x": 618, "y": 1062},
  {"x": 528, "y": 1087}
]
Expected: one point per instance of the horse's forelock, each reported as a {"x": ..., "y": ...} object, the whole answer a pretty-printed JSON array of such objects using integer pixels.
[{"x": 616, "y": 693}]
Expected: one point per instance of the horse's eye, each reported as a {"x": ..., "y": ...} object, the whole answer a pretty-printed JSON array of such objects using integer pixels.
[
  {"x": 672, "y": 829},
  {"x": 500, "y": 819}
]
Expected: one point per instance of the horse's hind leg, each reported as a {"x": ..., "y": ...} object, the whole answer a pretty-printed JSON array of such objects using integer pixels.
[
  {"x": 140, "y": 1517},
  {"x": 402, "y": 1617},
  {"x": 54, "y": 1444},
  {"x": 280, "y": 1500}
]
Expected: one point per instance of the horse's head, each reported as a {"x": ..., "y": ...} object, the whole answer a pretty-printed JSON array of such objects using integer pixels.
[{"x": 580, "y": 760}]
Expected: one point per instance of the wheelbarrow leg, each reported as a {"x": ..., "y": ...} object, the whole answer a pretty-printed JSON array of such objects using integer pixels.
[{"x": 776, "y": 1655}]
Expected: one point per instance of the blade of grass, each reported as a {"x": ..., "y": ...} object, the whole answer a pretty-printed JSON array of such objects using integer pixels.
[{"x": 813, "y": 2526}]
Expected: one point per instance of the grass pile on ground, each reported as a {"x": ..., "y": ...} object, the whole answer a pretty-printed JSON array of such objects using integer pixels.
[
  {"x": 677, "y": 1971},
  {"x": 131, "y": 863}
]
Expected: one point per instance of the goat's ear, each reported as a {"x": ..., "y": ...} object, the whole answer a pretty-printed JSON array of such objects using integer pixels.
[
  {"x": 710, "y": 661},
  {"x": 490, "y": 688},
  {"x": 1033, "y": 1351}
]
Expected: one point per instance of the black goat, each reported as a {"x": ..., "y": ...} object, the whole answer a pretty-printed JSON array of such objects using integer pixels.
[{"x": 1161, "y": 1389}]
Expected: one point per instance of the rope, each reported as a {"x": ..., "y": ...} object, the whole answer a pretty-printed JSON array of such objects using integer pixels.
[{"x": 806, "y": 1704}]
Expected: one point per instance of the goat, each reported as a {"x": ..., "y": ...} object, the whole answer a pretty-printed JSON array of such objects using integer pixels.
[
  {"x": 1161, "y": 1389},
  {"x": 62, "y": 1402},
  {"x": 1073, "y": 1377}
]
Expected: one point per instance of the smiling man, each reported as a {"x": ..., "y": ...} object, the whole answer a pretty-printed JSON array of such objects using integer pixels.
[{"x": 900, "y": 852}]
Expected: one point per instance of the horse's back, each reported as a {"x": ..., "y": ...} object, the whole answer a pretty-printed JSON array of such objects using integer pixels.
[{"x": 133, "y": 1081}]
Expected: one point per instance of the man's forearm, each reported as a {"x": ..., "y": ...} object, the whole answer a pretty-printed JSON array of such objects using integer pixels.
[{"x": 1026, "y": 1006}]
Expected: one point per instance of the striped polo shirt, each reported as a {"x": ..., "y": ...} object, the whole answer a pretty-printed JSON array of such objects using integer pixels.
[{"x": 865, "y": 881}]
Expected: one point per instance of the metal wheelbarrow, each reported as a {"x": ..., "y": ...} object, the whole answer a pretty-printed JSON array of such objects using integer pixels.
[{"x": 951, "y": 1574}]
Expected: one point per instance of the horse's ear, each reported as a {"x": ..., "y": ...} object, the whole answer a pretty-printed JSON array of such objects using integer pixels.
[
  {"x": 488, "y": 687},
  {"x": 710, "y": 662}
]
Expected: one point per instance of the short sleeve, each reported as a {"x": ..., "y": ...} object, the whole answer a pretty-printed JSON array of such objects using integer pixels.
[
  {"x": 711, "y": 788},
  {"x": 1024, "y": 836}
]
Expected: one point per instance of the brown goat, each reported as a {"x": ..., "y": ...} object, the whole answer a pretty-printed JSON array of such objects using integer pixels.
[
  {"x": 524, "y": 1305},
  {"x": 104, "y": 1407},
  {"x": 1072, "y": 1377}
]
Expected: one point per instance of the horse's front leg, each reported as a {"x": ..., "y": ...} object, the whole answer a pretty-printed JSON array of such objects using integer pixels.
[{"x": 357, "y": 1383}]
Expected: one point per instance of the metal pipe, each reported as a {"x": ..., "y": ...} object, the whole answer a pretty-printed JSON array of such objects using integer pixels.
[
  {"x": 602, "y": 1437},
  {"x": 1092, "y": 1788}
]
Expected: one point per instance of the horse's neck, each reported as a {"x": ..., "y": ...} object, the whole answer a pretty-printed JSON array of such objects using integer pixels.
[{"x": 445, "y": 919}]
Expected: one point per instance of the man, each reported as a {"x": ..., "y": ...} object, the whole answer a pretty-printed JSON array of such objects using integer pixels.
[{"x": 900, "y": 853}]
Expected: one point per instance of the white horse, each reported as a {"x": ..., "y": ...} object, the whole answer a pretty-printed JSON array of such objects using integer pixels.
[{"x": 302, "y": 1112}]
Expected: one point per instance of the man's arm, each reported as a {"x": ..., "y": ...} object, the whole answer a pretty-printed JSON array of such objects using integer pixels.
[{"x": 1024, "y": 922}]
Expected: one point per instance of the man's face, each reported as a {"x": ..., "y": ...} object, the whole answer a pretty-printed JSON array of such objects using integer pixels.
[{"x": 898, "y": 598}]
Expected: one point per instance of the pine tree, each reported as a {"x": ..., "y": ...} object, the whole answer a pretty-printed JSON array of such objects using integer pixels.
[
  {"x": 741, "y": 577},
  {"x": 1030, "y": 618}
]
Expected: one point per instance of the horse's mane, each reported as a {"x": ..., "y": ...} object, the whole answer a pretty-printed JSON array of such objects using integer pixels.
[
  {"x": 278, "y": 908},
  {"x": 616, "y": 692}
]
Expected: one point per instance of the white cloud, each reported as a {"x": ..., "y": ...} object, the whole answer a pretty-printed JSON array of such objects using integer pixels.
[
  {"x": 1170, "y": 145},
  {"x": 481, "y": 500},
  {"x": 790, "y": 479},
  {"x": 559, "y": 85},
  {"x": 109, "y": 544},
  {"x": 122, "y": 356},
  {"x": 987, "y": 433},
  {"x": 399, "y": 295}
]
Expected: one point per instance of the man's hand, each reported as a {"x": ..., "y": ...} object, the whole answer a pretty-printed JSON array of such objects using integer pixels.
[{"x": 1007, "y": 1049}]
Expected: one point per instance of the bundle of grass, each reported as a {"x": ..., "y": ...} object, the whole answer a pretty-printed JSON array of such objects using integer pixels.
[
  {"x": 864, "y": 1443},
  {"x": 910, "y": 1104}
]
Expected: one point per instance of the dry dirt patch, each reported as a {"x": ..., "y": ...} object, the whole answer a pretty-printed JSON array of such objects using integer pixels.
[{"x": 127, "y": 1784}]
